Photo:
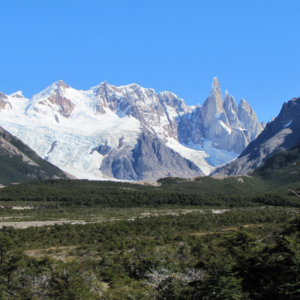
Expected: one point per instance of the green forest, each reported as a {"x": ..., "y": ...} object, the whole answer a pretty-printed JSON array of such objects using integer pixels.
[
  {"x": 249, "y": 253},
  {"x": 202, "y": 238}
]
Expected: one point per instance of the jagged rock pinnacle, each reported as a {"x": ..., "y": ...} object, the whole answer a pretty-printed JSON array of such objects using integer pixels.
[{"x": 215, "y": 83}]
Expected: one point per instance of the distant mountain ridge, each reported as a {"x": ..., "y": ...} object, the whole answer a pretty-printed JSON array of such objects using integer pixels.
[
  {"x": 281, "y": 134},
  {"x": 146, "y": 135}
]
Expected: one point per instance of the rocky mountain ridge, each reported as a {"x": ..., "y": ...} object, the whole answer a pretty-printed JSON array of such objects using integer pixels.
[
  {"x": 72, "y": 128},
  {"x": 281, "y": 134},
  {"x": 228, "y": 126}
]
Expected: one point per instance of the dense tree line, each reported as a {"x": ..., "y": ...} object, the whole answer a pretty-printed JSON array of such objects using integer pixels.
[
  {"x": 169, "y": 225},
  {"x": 173, "y": 191}
]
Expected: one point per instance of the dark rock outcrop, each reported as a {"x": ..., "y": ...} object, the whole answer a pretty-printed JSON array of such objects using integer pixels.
[
  {"x": 57, "y": 99},
  {"x": 150, "y": 159},
  {"x": 4, "y": 103},
  {"x": 102, "y": 149}
]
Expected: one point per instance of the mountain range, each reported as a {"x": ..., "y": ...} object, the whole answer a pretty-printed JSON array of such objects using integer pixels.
[{"x": 130, "y": 132}]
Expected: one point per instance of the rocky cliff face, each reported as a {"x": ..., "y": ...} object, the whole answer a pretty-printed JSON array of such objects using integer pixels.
[
  {"x": 4, "y": 104},
  {"x": 231, "y": 110},
  {"x": 156, "y": 112},
  {"x": 228, "y": 126},
  {"x": 54, "y": 98},
  {"x": 248, "y": 121},
  {"x": 150, "y": 158},
  {"x": 280, "y": 134},
  {"x": 130, "y": 132}
]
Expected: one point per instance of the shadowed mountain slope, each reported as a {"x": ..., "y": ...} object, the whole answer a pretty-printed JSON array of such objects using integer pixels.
[{"x": 19, "y": 163}]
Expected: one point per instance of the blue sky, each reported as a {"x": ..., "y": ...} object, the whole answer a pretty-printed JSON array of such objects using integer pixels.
[{"x": 251, "y": 46}]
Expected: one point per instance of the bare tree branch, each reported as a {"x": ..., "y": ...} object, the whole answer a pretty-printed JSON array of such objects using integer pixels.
[{"x": 294, "y": 193}]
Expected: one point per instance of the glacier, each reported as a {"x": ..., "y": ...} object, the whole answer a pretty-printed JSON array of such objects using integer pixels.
[{"x": 64, "y": 125}]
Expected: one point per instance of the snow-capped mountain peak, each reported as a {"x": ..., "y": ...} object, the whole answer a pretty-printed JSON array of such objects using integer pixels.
[
  {"x": 17, "y": 94},
  {"x": 129, "y": 132}
]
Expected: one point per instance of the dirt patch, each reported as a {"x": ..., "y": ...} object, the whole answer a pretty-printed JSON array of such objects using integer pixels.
[
  {"x": 252, "y": 225},
  {"x": 38, "y": 223},
  {"x": 105, "y": 286},
  {"x": 145, "y": 182},
  {"x": 232, "y": 176},
  {"x": 22, "y": 207},
  {"x": 25, "y": 224},
  {"x": 57, "y": 253},
  {"x": 225, "y": 229},
  {"x": 212, "y": 232},
  {"x": 14, "y": 217}
]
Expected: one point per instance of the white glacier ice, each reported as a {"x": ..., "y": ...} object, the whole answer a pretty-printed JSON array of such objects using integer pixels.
[
  {"x": 214, "y": 157},
  {"x": 68, "y": 141},
  {"x": 75, "y": 137}
]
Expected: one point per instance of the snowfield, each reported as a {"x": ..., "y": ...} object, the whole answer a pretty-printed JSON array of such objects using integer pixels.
[{"x": 68, "y": 142}]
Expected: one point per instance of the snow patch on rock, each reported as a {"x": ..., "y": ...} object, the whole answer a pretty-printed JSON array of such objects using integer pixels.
[
  {"x": 197, "y": 156},
  {"x": 288, "y": 124}
]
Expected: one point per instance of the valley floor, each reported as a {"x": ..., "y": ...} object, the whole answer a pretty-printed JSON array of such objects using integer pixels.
[
  {"x": 36, "y": 217},
  {"x": 151, "y": 253}
]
